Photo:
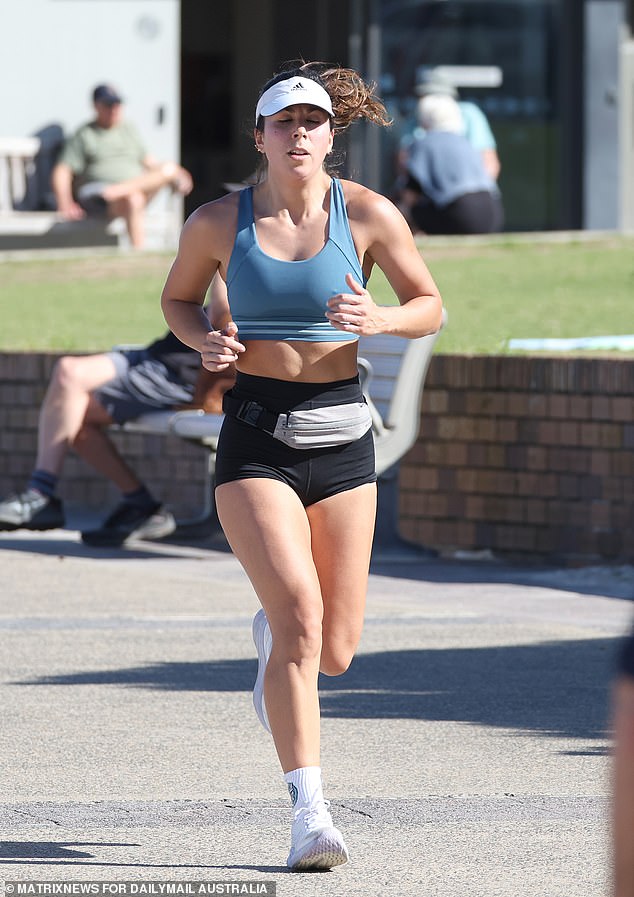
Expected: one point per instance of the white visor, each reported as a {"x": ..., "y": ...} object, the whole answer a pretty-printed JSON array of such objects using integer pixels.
[{"x": 292, "y": 92}]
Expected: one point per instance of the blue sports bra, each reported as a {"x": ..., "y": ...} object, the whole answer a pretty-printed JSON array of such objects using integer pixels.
[{"x": 272, "y": 299}]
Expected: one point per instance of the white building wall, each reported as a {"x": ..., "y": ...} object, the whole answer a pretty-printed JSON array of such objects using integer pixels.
[
  {"x": 55, "y": 51},
  {"x": 626, "y": 132},
  {"x": 603, "y": 22}
]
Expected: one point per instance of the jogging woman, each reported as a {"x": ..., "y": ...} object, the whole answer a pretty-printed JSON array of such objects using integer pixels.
[{"x": 295, "y": 475}]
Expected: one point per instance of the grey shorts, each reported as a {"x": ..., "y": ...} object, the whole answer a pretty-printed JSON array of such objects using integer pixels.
[{"x": 142, "y": 383}]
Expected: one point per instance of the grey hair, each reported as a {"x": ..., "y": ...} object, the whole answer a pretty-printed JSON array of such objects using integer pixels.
[{"x": 440, "y": 113}]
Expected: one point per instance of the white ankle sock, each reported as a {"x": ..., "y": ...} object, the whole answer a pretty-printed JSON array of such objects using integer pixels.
[{"x": 304, "y": 786}]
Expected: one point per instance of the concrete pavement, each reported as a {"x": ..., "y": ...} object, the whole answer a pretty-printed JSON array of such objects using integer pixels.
[{"x": 464, "y": 752}]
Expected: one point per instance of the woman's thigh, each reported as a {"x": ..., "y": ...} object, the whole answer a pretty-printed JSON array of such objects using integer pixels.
[
  {"x": 267, "y": 528},
  {"x": 308, "y": 566},
  {"x": 342, "y": 529}
]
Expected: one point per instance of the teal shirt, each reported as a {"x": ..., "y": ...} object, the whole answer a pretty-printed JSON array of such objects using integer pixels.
[
  {"x": 476, "y": 128},
  {"x": 108, "y": 155}
]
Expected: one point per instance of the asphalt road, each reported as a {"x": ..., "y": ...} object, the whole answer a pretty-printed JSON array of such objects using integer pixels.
[{"x": 466, "y": 751}]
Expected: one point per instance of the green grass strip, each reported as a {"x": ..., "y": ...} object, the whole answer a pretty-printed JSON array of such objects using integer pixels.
[{"x": 494, "y": 291}]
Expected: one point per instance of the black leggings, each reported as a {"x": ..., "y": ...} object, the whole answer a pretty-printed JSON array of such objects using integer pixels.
[{"x": 246, "y": 452}]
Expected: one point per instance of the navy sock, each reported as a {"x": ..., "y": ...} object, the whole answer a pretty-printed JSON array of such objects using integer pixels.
[
  {"x": 140, "y": 498},
  {"x": 44, "y": 482}
]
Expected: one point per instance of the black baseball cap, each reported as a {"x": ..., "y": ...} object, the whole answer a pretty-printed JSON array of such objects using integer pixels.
[{"x": 106, "y": 93}]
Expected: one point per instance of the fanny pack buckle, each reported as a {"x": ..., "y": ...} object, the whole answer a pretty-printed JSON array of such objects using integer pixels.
[{"x": 250, "y": 413}]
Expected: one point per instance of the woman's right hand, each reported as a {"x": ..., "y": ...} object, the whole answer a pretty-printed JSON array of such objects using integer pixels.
[{"x": 221, "y": 348}]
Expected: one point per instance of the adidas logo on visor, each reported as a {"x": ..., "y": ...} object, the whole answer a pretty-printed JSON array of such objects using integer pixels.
[{"x": 287, "y": 93}]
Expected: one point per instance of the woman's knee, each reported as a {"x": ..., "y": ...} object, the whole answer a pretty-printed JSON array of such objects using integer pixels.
[
  {"x": 297, "y": 638},
  {"x": 337, "y": 657}
]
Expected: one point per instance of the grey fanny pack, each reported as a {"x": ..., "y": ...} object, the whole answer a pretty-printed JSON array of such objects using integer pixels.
[{"x": 305, "y": 429}]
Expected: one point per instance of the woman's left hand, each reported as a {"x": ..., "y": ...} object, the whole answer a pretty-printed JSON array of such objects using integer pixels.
[{"x": 356, "y": 312}]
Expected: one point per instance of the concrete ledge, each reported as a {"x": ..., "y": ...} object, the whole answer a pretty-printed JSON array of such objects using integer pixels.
[{"x": 48, "y": 231}]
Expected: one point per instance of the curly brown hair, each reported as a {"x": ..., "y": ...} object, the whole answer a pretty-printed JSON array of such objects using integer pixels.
[{"x": 352, "y": 98}]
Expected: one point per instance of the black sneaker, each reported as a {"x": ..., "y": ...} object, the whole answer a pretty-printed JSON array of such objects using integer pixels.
[
  {"x": 31, "y": 510},
  {"x": 130, "y": 522}
]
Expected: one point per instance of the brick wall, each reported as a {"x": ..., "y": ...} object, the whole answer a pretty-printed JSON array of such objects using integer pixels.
[
  {"x": 524, "y": 455},
  {"x": 174, "y": 470},
  {"x": 520, "y": 455}
]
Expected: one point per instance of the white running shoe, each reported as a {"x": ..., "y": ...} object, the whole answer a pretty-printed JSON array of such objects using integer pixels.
[
  {"x": 315, "y": 842},
  {"x": 263, "y": 643}
]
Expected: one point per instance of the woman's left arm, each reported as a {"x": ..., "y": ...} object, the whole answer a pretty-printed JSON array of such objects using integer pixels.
[{"x": 388, "y": 242}]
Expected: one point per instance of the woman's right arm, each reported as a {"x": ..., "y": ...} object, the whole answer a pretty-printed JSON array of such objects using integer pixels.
[{"x": 186, "y": 287}]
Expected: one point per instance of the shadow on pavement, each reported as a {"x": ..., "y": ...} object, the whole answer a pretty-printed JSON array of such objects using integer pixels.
[
  {"x": 50, "y": 850},
  {"x": 610, "y": 581},
  {"x": 557, "y": 688},
  {"x": 605, "y": 580},
  {"x": 65, "y": 547},
  {"x": 41, "y": 853}
]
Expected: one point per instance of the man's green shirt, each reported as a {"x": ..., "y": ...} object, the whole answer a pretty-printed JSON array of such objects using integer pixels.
[{"x": 110, "y": 155}]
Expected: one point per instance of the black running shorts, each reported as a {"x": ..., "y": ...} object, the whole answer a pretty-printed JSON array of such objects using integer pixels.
[{"x": 246, "y": 452}]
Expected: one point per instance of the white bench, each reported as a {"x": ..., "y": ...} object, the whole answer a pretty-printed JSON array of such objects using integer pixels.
[
  {"x": 392, "y": 371},
  {"x": 18, "y": 185},
  {"x": 25, "y": 162}
]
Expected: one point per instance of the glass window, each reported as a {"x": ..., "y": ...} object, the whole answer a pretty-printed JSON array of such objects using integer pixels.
[{"x": 518, "y": 37}]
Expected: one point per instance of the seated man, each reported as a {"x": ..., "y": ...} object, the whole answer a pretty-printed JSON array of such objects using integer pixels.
[
  {"x": 87, "y": 394},
  {"x": 104, "y": 169}
]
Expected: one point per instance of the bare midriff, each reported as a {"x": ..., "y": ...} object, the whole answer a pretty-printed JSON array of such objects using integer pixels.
[{"x": 302, "y": 361}]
